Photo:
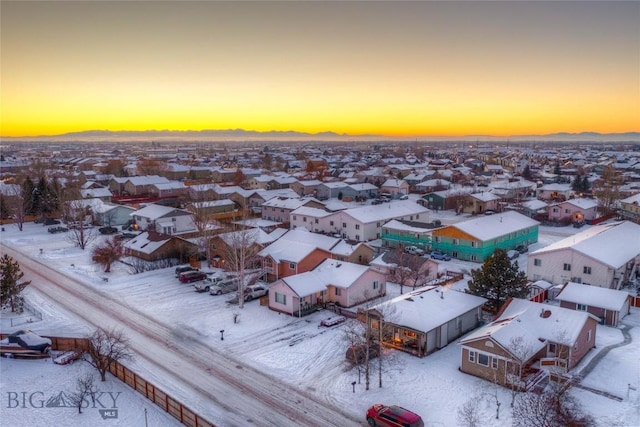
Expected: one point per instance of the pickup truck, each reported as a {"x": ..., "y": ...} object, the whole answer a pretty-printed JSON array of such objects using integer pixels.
[{"x": 206, "y": 284}]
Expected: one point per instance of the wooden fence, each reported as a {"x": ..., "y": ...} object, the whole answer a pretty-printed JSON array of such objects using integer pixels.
[{"x": 155, "y": 394}]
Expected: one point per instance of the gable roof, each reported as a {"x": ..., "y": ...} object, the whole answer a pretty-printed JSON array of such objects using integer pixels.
[
  {"x": 385, "y": 211},
  {"x": 427, "y": 308},
  {"x": 489, "y": 227},
  {"x": 594, "y": 296},
  {"x": 154, "y": 211},
  {"x": 536, "y": 323},
  {"x": 612, "y": 244},
  {"x": 295, "y": 245}
]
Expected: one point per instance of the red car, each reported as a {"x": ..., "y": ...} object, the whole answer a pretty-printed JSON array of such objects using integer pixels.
[
  {"x": 392, "y": 416},
  {"x": 192, "y": 276}
]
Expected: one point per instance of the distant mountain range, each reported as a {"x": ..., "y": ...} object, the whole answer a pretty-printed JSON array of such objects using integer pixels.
[{"x": 241, "y": 135}]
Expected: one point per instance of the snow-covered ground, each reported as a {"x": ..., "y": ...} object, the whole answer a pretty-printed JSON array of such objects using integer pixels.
[{"x": 298, "y": 351}]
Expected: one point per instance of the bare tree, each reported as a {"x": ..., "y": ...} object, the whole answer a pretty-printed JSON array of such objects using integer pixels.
[
  {"x": 522, "y": 352},
  {"x": 607, "y": 189},
  {"x": 107, "y": 346},
  {"x": 77, "y": 213},
  {"x": 85, "y": 388},
  {"x": 554, "y": 407},
  {"x": 409, "y": 270},
  {"x": 469, "y": 414},
  {"x": 15, "y": 203},
  {"x": 239, "y": 252},
  {"x": 107, "y": 253}
]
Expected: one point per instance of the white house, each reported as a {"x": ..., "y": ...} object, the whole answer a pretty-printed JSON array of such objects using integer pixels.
[
  {"x": 605, "y": 255},
  {"x": 164, "y": 219}
]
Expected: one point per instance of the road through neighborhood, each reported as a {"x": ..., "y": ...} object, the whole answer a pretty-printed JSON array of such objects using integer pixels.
[{"x": 223, "y": 390}]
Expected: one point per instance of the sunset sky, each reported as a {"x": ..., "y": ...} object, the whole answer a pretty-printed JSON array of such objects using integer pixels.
[{"x": 388, "y": 68}]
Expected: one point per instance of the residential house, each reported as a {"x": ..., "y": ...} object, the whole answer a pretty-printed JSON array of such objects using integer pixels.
[
  {"x": 362, "y": 191},
  {"x": 533, "y": 208},
  {"x": 297, "y": 251},
  {"x": 407, "y": 233},
  {"x": 168, "y": 189},
  {"x": 554, "y": 192},
  {"x": 141, "y": 185},
  {"x": 574, "y": 211},
  {"x": 479, "y": 203},
  {"x": 331, "y": 190},
  {"x": 391, "y": 260},
  {"x": 153, "y": 246},
  {"x": 630, "y": 208},
  {"x": 476, "y": 239},
  {"x": 424, "y": 320},
  {"x": 395, "y": 187},
  {"x": 280, "y": 208},
  {"x": 252, "y": 240},
  {"x": 451, "y": 199},
  {"x": 526, "y": 342},
  {"x": 101, "y": 193},
  {"x": 306, "y": 188},
  {"x": 433, "y": 185},
  {"x": 342, "y": 283},
  {"x": 359, "y": 224},
  {"x": 359, "y": 253},
  {"x": 107, "y": 214},
  {"x": 605, "y": 255},
  {"x": 164, "y": 219},
  {"x": 609, "y": 305}
]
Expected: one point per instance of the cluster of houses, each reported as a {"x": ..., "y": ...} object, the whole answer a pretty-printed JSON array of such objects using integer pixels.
[{"x": 323, "y": 231}]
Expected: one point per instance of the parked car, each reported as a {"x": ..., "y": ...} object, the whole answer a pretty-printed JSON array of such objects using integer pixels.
[
  {"x": 51, "y": 221},
  {"x": 396, "y": 416},
  {"x": 255, "y": 291},
  {"x": 440, "y": 256},
  {"x": 58, "y": 229},
  {"x": 108, "y": 230},
  {"x": 513, "y": 254},
  {"x": 403, "y": 197},
  {"x": 183, "y": 269},
  {"x": 522, "y": 248},
  {"x": 414, "y": 250},
  {"x": 223, "y": 287},
  {"x": 192, "y": 276}
]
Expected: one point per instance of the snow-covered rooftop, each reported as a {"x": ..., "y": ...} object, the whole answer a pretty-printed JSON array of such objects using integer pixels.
[
  {"x": 594, "y": 296},
  {"x": 427, "y": 308},
  {"x": 613, "y": 244},
  {"x": 489, "y": 227}
]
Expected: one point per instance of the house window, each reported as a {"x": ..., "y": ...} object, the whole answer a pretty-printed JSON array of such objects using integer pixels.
[
  {"x": 537, "y": 262},
  {"x": 304, "y": 219},
  {"x": 581, "y": 307},
  {"x": 566, "y": 267},
  {"x": 173, "y": 219},
  {"x": 494, "y": 363},
  {"x": 454, "y": 254},
  {"x": 344, "y": 225},
  {"x": 474, "y": 258},
  {"x": 338, "y": 292},
  {"x": 316, "y": 220},
  {"x": 438, "y": 239},
  {"x": 331, "y": 223},
  {"x": 455, "y": 241},
  {"x": 376, "y": 285},
  {"x": 357, "y": 237},
  {"x": 474, "y": 244},
  {"x": 555, "y": 210},
  {"x": 589, "y": 336},
  {"x": 483, "y": 359},
  {"x": 292, "y": 265},
  {"x": 295, "y": 217},
  {"x": 567, "y": 211},
  {"x": 586, "y": 269},
  {"x": 472, "y": 356},
  {"x": 357, "y": 226},
  {"x": 281, "y": 298}
]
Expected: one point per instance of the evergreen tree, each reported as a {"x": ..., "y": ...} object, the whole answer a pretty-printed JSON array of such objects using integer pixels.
[
  {"x": 10, "y": 285},
  {"x": 498, "y": 279},
  {"x": 526, "y": 172},
  {"x": 576, "y": 184},
  {"x": 585, "y": 185},
  {"x": 28, "y": 187}
]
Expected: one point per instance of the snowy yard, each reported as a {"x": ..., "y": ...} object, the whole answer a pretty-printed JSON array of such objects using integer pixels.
[{"x": 297, "y": 351}]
